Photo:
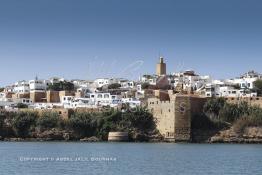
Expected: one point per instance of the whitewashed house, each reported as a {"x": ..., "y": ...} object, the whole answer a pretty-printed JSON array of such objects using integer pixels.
[
  {"x": 151, "y": 79},
  {"x": 132, "y": 102},
  {"x": 39, "y": 85},
  {"x": 101, "y": 82},
  {"x": 22, "y": 87}
]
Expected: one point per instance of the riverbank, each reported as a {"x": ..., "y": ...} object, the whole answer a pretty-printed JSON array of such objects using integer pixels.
[{"x": 250, "y": 135}]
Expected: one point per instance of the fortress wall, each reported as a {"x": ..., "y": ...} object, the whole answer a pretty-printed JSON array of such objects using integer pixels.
[{"x": 174, "y": 117}]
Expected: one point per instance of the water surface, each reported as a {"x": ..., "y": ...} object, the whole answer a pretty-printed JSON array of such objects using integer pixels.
[{"x": 29, "y": 158}]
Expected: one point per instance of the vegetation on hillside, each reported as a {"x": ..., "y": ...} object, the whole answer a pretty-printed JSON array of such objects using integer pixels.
[
  {"x": 145, "y": 85},
  {"x": 61, "y": 86},
  {"x": 258, "y": 87},
  {"x": 114, "y": 86},
  {"x": 81, "y": 124},
  {"x": 239, "y": 115},
  {"x": 22, "y": 106}
]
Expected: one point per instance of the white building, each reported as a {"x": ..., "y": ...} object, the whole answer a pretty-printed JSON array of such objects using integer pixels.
[
  {"x": 91, "y": 100},
  {"x": 151, "y": 79},
  {"x": 228, "y": 91},
  {"x": 101, "y": 82},
  {"x": 26, "y": 101},
  {"x": 39, "y": 85},
  {"x": 132, "y": 102},
  {"x": 224, "y": 90},
  {"x": 22, "y": 87},
  {"x": 246, "y": 81},
  {"x": 103, "y": 99},
  {"x": 9, "y": 89},
  {"x": 189, "y": 79},
  {"x": 127, "y": 84}
]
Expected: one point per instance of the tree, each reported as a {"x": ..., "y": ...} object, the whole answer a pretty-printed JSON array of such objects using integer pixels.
[
  {"x": 48, "y": 120},
  {"x": 84, "y": 124},
  {"x": 2, "y": 89},
  {"x": 22, "y": 123},
  {"x": 61, "y": 86},
  {"x": 258, "y": 87},
  {"x": 213, "y": 106},
  {"x": 22, "y": 106},
  {"x": 2, "y": 117},
  {"x": 114, "y": 86},
  {"x": 230, "y": 113},
  {"x": 145, "y": 85}
]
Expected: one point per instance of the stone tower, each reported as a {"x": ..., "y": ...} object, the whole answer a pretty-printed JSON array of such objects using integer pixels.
[{"x": 161, "y": 67}]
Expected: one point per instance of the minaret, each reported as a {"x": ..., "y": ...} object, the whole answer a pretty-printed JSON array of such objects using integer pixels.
[{"x": 161, "y": 67}]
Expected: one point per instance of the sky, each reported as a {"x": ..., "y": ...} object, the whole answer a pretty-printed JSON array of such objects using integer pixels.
[{"x": 88, "y": 39}]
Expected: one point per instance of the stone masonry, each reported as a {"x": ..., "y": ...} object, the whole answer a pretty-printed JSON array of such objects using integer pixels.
[{"x": 174, "y": 116}]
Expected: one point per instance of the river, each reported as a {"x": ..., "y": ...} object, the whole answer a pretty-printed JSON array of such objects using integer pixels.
[{"x": 62, "y": 158}]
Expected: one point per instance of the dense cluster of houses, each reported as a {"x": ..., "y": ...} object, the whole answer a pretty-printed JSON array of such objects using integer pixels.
[{"x": 116, "y": 92}]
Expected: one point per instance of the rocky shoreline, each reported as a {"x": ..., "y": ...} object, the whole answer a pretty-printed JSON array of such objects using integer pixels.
[
  {"x": 69, "y": 136},
  {"x": 251, "y": 135}
]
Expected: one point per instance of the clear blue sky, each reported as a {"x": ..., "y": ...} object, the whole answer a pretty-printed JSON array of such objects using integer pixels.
[{"x": 93, "y": 38}]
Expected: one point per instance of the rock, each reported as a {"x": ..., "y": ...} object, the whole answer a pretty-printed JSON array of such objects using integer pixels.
[
  {"x": 66, "y": 136},
  {"x": 14, "y": 139},
  {"x": 216, "y": 139},
  {"x": 139, "y": 137},
  {"x": 90, "y": 139},
  {"x": 53, "y": 134}
]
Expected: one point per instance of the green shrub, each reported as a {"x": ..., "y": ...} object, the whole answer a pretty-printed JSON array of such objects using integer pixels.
[
  {"x": 48, "y": 120},
  {"x": 84, "y": 124},
  {"x": 213, "y": 106},
  {"x": 23, "y": 122},
  {"x": 2, "y": 119},
  {"x": 145, "y": 85},
  {"x": 22, "y": 106},
  {"x": 230, "y": 112},
  {"x": 114, "y": 86},
  {"x": 258, "y": 87},
  {"x": 61, "y": 86}
]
